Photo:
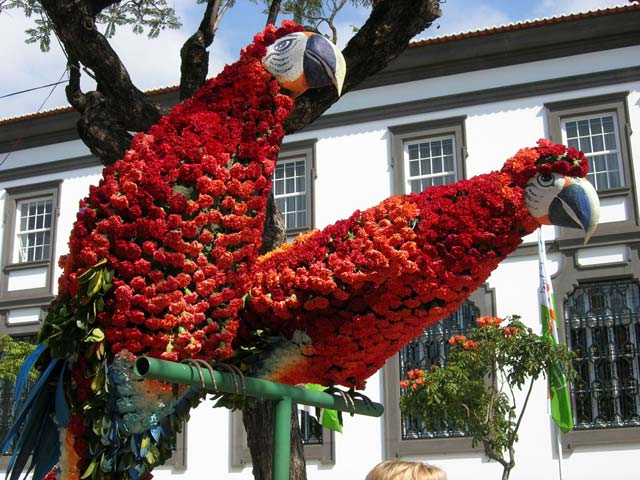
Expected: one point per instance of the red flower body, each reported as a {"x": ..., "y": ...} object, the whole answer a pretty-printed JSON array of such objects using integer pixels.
[{"x": 362, "y": 288}]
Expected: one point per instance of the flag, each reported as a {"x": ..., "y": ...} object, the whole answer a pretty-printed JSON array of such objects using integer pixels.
[
  {"x": 326, "y": 417},
  {"x": 558, "y": 388}
]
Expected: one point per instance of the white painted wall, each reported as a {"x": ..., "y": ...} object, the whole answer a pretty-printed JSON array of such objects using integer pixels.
[{"x": 353, "y": 172}]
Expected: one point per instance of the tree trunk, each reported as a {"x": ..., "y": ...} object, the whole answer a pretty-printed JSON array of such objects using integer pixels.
[{"x": 258, "y": 417}]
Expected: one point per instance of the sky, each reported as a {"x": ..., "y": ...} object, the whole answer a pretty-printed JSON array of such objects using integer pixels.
[{"x": 156, "y": 63}]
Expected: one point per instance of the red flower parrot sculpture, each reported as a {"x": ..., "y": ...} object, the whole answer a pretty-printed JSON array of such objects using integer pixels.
[{"x": 164, "y": 262}]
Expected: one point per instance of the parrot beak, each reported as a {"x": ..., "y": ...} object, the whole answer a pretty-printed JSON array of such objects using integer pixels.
[
  {"x": 323, "y": 63},
  {"x": 304, "y": 60},
  {"x": 576, "y": 206}
]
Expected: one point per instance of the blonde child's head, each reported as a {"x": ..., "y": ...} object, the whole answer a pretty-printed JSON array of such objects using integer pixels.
[{"x": 401, "y": 470}]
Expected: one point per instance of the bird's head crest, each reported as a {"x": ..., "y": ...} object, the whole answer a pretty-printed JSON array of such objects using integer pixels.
[{"x": 544, "y": 159}]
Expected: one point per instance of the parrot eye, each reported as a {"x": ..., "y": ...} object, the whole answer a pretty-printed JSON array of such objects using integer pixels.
[
  {"x": 545, "y": 180},
  {"x": 283, "y": 45}
]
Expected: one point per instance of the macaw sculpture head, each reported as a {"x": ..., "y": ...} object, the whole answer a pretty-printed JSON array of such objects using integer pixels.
[
  {"x": 556, "y": 190},
  {"x": 303, "y": 60}
]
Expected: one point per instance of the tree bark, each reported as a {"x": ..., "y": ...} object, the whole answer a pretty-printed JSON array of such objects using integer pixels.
[{"x": 258, "y": 417}]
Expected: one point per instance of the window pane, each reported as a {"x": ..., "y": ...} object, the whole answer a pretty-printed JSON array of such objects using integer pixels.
[
  {"x": 596, "y": 125},
  {"x": 425, "y": 167},
  {"x": 416, "y": 186},
  {"x": 414, "y": 169},
  {"x": 279, "y": 187},
  {"x": 571, "y": 129},
  {"x": 607, "y": 124},
  {"x": 413, "y": 151},
  {"x": 610, "y": 141},
  {"x": 585, "y": 144}
]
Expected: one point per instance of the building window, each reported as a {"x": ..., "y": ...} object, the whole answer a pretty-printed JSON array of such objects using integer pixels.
[
  {"x": 427, "y": 154},
  {"x": 28, "y": 251},
  {"x": 600, "y": 127},
  {"x": 602, "y": 322},
  {"x": 293, "y": 185},
  {"x": 34, "y": 220},
  {"x": 430, "y": 162},
  {"x": 432, "y": 348},
  {"x": 319, "y": 442},
  {"x": 310, "y": 429},
  {"x": 406, "y": 435},
  {"x": 599, "y": 138}
]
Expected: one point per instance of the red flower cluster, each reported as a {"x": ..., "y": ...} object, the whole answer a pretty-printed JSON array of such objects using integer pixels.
[
  {"x": 364, "y": 287},
  {"x": 488, "y": 321},
  {"x": 545, "y": 159},
  {"x": 466, "y": 343}
]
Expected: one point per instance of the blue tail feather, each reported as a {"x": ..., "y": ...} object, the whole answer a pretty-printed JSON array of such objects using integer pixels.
[
  {"x": 34, "y": 433},
  {"x": 23, "y": 374}
]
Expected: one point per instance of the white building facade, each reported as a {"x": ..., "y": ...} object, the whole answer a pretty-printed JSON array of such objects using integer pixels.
[{"x": 447, "y": 109}]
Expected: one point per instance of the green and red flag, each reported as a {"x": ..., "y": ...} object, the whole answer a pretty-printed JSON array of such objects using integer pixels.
[{"x": 558, "y": 389}]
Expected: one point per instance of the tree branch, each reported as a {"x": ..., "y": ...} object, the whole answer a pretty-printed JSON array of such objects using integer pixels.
[
  {"x": 387, "y": 32},
  {"x": 94, "y": 7},
  {"x": 106, "y": 139},
  {"x": 116, "y": 100},
  {"x": 194, "y": 54},
  {"x": 274, "y": 10}
]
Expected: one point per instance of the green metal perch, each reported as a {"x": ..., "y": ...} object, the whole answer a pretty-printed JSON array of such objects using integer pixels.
[{"x": 284, "y": 395}]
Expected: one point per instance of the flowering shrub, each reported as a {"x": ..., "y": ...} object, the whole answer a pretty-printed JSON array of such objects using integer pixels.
[
  {"x": 477, "y": 386},
  {"x": 362, "y": 288}
]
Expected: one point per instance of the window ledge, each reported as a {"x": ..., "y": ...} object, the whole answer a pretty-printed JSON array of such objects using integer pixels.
[
  {"x": 604, "y": 436},
  {"x": 16, "y": 267},
  {"x": 435, "y": 446}
]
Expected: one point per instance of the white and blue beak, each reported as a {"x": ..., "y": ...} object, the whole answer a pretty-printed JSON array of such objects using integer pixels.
[{"x": 563, "y": 201}]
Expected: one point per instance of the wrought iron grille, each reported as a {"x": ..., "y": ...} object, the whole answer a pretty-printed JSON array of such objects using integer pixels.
[
  {"x": 603, "y": 330},
  {"x": 432, "y": 348},
  {"x": 6, "y": 397},
  {"x": 310, "y": 429}
]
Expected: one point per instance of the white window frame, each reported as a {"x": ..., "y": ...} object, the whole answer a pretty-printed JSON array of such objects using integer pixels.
[
  {"x": 402, "y": 136},
  {"x": 430, "y": 177},
  {"x": 303, "y": 151},
  {"x": 18, "y": 245}
]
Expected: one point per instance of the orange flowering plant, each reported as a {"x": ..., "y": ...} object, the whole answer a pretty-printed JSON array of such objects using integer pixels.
[{"x": 485, "y": 385}]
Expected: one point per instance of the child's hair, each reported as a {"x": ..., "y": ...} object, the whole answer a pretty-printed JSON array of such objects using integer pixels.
[{"x": 401, "y": 470}]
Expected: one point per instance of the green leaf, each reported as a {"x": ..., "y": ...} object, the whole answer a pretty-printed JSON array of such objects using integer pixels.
[
  {"x": 95, "y": 335},
  {"x": 90, "y": 469},
  {"x": 95, "y": 284}
]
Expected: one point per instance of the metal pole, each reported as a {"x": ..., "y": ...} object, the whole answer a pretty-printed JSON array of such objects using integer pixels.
[
  {"x": 224, "y": 382},
  {"x": 282, "y": 439}
]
